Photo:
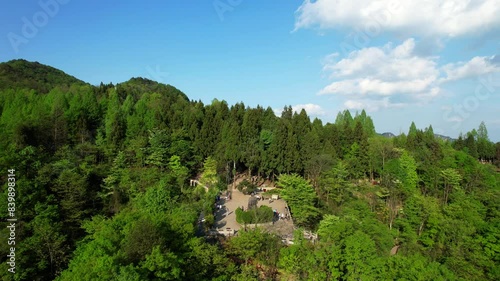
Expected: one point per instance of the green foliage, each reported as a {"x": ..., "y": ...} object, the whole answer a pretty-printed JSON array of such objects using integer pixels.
[
  {"x": 48, "y": 246},
  {"x": 158, "y": 148},
  {"x": 451, "y": 180},
  {"x": 334, "y": 183},
  {"x": 140, "y": 240},
  {"x": 262, "y": 214},
  {"x": 408, "y": 172},
  {"x": 259, "y": 248},
  {"x": 246, "y": 187},
  {"x": 157, "y": 199},
  {"x": 179, "y": 171},
  {"x": 301, "y": 198},
  {"x": 360, "y": 260},
  {"x": 33, "y": 75},
  {"x": 209, "y": 176},
  {"x": 101, "y": 175},
  {"x": 112, "y": 191}
]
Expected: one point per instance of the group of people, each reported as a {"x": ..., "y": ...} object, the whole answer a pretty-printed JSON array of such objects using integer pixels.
[
  {"x": 226, "y": 197},
  {"x": 217, "y": 199},
  {"x": 284, "y": 216},
  {"x": 281, "y": 216}
]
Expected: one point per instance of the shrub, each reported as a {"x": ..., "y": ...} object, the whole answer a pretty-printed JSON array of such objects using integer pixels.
[
  {"x": 264, "y": 214},
  {"x": 271, "y": 192},
  {"x": 246, "y": 187},
  {"x": 258, "y": 215}
]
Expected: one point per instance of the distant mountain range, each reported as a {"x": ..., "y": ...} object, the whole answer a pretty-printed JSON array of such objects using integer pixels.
[
  {"x": 23, "y": 74},
  {"x": 391, "y": 135},
  {"x": 444, "y": 137},
  {"x": 388, "y": 135},
  {"x": 20, "y": 73}
]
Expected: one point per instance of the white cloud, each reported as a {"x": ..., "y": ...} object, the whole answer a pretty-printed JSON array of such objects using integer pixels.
[
  {"x": 475, "y": 67},
  {"x": 310, "y": 108},
  {"x": 455, "y": 119},
  {"x": 370, "y": 76},
  {"x": 374, "y": 86},
  {"x": 381, "y": 72},
  {"x": 371, "y": 104},
  {"x": 446, "y": 18}
]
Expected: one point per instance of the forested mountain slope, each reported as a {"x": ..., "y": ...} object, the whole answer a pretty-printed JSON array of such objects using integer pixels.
[
  {"x": 102, "y": 189},
  {"x": 33, "y": 75}
]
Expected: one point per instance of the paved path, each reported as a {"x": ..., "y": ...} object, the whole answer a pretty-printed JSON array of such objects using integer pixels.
[{"x": 226, "y": 217}]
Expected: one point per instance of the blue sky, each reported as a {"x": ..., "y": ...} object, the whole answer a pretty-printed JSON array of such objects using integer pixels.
[{"x": 432, "y": 62}]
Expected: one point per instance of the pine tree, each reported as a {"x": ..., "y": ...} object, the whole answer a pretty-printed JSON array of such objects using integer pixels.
[
  {"x": 485, "y": 148},
  {"x": 301, "y": 128},
  {"x": 159, "y": 142},
  {"x": 412, "y": 132},
  {"x": 471, "y": 145}
]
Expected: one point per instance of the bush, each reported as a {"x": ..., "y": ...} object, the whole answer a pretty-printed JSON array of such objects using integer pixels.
[
  {"x": 264, "y": 214},
  {"x": 209, "y": 220},
  {"x": 246, "y": 187},
  {"x": 258, "y": 215},
  {"x": 271, "y": 192}
]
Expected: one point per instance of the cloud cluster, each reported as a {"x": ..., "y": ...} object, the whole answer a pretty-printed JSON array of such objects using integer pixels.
[
  {"x": 311, "y": 109},
  {"x": 413, "y": 18},
  {"x": 373, "y": 77},
  {"x": 371, "y": 104},
  {"x": 475, "y": 67}
]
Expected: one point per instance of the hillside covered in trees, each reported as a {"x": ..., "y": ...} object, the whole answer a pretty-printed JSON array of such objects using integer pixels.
[{"x": 102, "y": 188}]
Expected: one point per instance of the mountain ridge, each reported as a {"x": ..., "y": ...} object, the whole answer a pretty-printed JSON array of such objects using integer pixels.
[
  {"x": 391, "y": 135},
  {"x": 24, "y": 74},
  {"x": 42, "y": 78},
  {"x": 21, "y": 73}
]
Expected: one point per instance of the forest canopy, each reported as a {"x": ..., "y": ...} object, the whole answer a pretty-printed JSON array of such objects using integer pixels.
[{"x": 103, "y": 193}]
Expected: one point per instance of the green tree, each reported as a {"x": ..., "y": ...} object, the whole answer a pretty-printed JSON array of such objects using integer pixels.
[
  {"x": 316, "y": 166},
  {"x": 229, "y": 148},
  {"x": 179, "y": 171},
  {"x": 209, "y": 176},
  {"x": 210, "y": 260},
  {"x": 111, "y": 192},
  {"x": 301, "y": 198},
  {"x": 301, "y": 127},
  {"x": 141, "y": 240},
  {"x": 485, "y": 148},
  {"x": 451, "y": 180},
  {"x": 380, "y": 151},
  {"x": 159, "y": 142},
  {"x": 360, "y": 260},
  {"x": 251, "y": 128},
  {"x": 259, "y": 248},
  {"x": 470, "y": 143},
  {"x": 115, "y": 126},
  {"x": 335, "y": 183},
  {"x": 48, "y": 245},
  {"x": 412, "y": 132},
  {"x": 59, "y": 122}
]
